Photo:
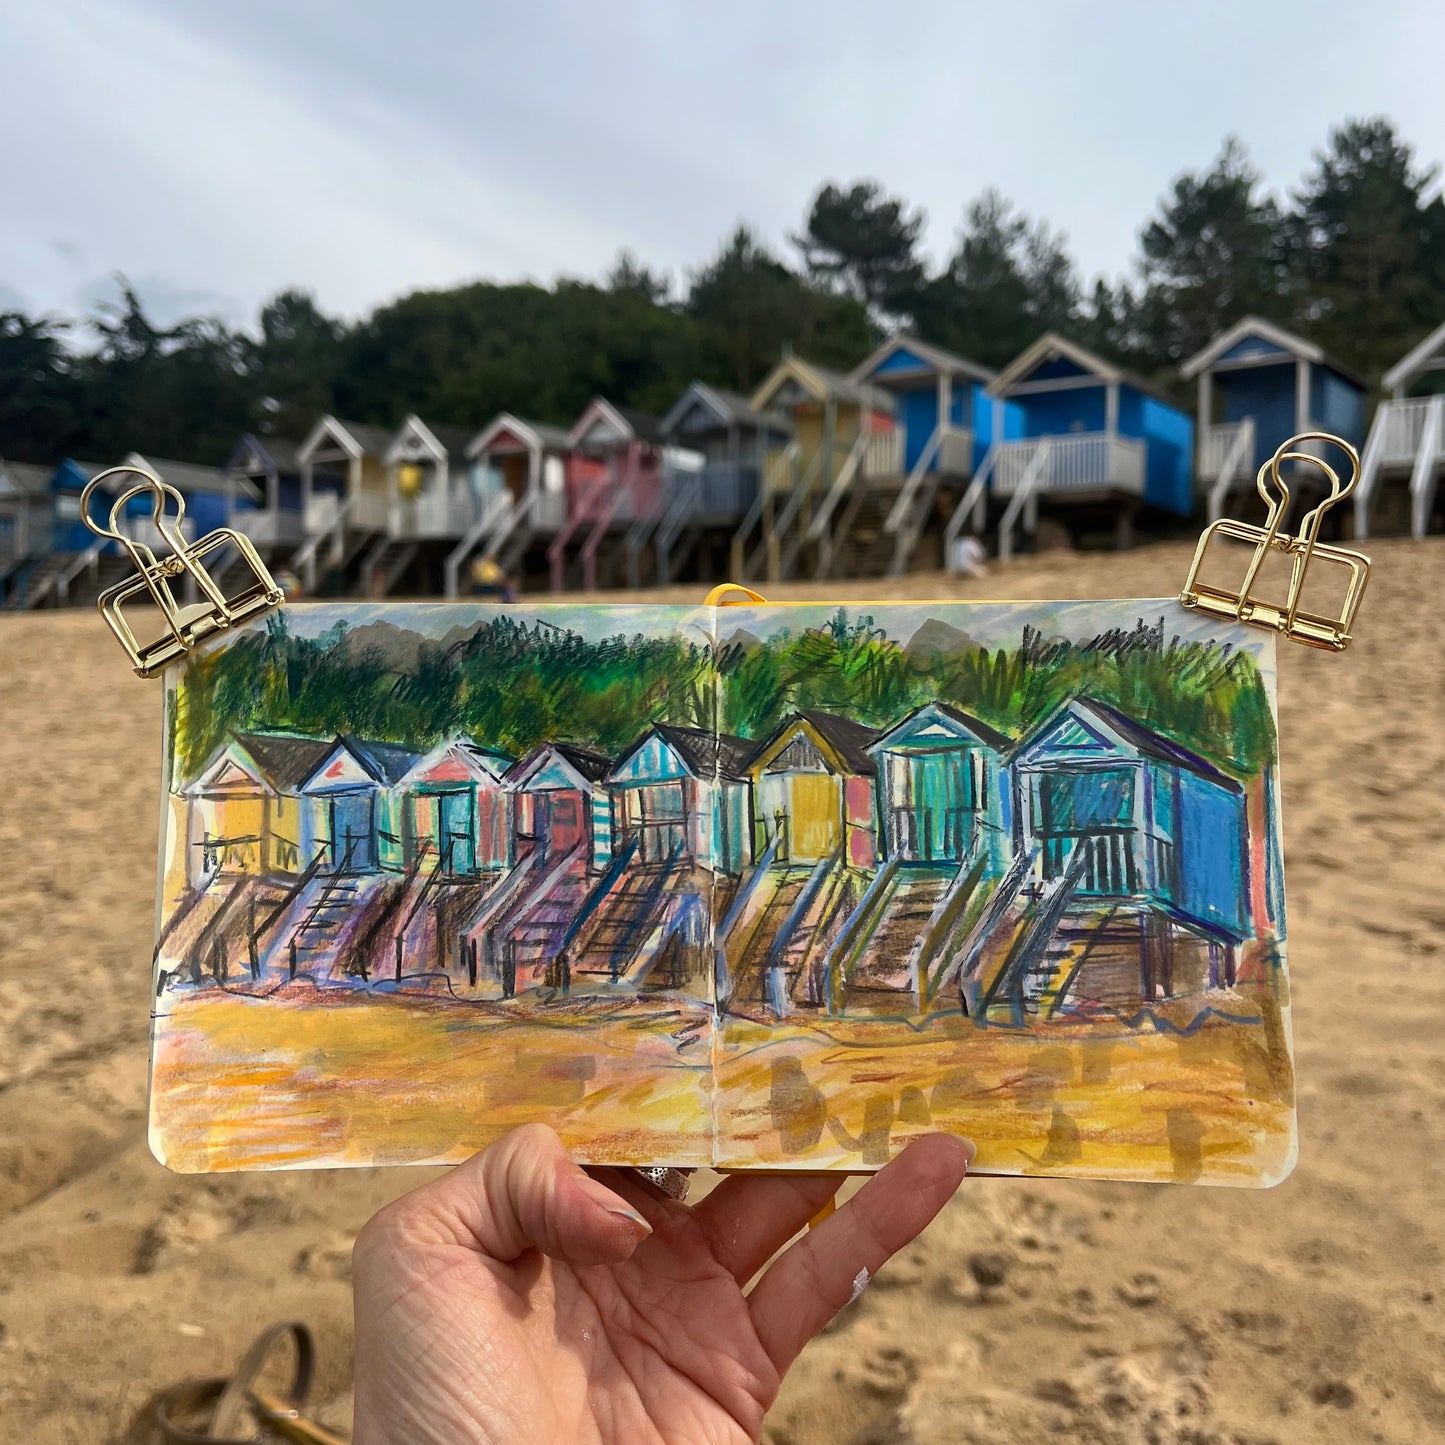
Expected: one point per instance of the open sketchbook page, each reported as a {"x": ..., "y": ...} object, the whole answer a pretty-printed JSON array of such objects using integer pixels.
[
  {"x": 765, "y": 886},
  {"x": 432, "y": 872},
  {"x": 1016, "y": 874}
]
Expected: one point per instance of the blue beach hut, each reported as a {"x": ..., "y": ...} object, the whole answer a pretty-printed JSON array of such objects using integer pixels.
[
  {"x": 1085, "y": 433},
  {"x": 1259, "y": 385}
]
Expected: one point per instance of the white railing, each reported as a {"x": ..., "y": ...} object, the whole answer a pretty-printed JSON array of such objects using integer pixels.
[
  {"x": 883, "y": 454},
  {"x": 1081, "y": 462},
  {"x": 955, "y": 456},
  {"x": 498, "y": 515},
  {"x": 823, "y": 517},
  {"x": 267, "y": 528},
  {"x": 1026, "y": 486},
  {"x": 1402, "y": 426},
  {"x": 1217, "y": 443},
  {"x": 1423, "y": 479},
  {"x": 1233, "y": 465},
  {"x": 549, "y": 511},
  {"x": 434, "y": 514},
  {"x": 972, "y": 503}
]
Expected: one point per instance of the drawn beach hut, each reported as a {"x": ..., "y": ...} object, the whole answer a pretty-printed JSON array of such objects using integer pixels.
[
  {"x": 1084, "y": 439},
  {"x": 948, "y": 423},
  {"x": 814, "y": 835},
  {"x": 942, "y": 807},
  {"x": 678, "y": 817},
  {"x": 266, "y": 468},
  {"x": 615, "y": 485},
  {"x": 352, "y": 819},
  {"x": 843, "y": 433},
  {"x": 519, "y": 469},
  {"x": 245, "y": 808},
  {"x": 344, "y": 504},
  {"x": 1259, "y": 385},
  {"x": 562, "y": 828},
  {"x": 1406, "y": 445},
  {"x": 560, "y": 804},
  {"x": 1130, "y": 876},
  {"x": 454, "y": 809},
  {"x": 706, "y": 505}
]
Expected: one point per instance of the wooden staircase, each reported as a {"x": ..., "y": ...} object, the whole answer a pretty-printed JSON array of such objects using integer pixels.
[{"x": 862, "y": 545}]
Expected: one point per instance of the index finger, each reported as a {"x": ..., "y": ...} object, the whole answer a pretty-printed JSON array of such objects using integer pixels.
[{"x": 825, "y": 1269}]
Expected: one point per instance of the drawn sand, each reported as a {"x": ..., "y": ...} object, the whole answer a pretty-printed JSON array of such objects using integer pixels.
[{"x": 1031, "y": 1310}]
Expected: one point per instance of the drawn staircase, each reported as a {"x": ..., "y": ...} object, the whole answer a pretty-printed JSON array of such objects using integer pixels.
[
  {"x": 535, "y": 927},
  {"x": 620, "y": 938},
  {"x": 880, "y": 967}
]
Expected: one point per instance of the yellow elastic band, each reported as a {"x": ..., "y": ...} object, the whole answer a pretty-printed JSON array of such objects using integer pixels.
[{"x": 716, "y": 597}]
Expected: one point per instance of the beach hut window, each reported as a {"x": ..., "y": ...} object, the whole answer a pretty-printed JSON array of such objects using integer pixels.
[
  {"x": 1093, "y": 809},
  {"x": 351, "y": 819}
]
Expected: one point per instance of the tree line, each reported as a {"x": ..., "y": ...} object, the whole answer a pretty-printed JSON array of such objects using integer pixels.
[
  {"x": 1354, "y": 258},
  {"x": 512, "y": 684}
]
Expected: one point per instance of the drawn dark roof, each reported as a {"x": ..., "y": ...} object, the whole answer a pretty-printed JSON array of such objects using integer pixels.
[
  {"x": 980, "y": 730},
  {"x": 489, "y": 758},
  {"x": 386, "y": 762},
  {"x": 987, "y": 735},
  {"x": 286, "y": 760},
  {"x": 1141, "y": 738},
  {"x": 593, "y": 766},
  {"x": 849, "y": 739},
  {"x": 707, "y": 753}
]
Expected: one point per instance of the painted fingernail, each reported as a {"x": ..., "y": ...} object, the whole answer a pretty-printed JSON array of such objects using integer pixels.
[{"x": 601, "y": 1194}]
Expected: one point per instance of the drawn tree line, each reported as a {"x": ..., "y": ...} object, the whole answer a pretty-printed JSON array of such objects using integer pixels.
[{"x": 512, "y": 684}]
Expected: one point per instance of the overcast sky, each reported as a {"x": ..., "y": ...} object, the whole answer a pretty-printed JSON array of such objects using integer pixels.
[{"x": 216, "y": 153}]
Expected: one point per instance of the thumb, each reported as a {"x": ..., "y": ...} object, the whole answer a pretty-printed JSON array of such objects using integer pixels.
[{"x": 525, "y": 1192}]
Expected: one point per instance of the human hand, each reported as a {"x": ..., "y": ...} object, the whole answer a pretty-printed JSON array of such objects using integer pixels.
[{"x": 522, "y": 1299}]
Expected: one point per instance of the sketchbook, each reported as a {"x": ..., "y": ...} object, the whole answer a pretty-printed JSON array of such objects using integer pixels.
[{"x": 757, "y": 886}]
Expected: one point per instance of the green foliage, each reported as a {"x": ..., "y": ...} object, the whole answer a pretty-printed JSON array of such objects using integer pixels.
[
  {"x": 865, "y": 243},
  {"x": 513, "y": 684},
  {"x": 1355, "y": 260}
]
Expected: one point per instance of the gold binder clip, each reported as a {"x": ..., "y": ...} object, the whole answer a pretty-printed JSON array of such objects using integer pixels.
[
  {"x": 186, "y": 624},
  {"x": 1288, "y": 617}
]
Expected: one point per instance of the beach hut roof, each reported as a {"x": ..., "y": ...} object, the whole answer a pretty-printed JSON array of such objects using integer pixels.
[
  {"x": 590, "y": 767},
  {"x": 539, "y": 434},
  {"x": 628, "y": 424},
  {"x": 729, "y": 407},
  {"x": 1255, "y": 326},
  {"x": 705, "y": 753},
  {"x": 22, "y": 479},
  {"x": 1425, "y": 357},
  {"x": 1050, "y": 347},
  {"x": 933, "y": 358},
  {"x": 286, "y": 760},
  {"x": 276, "y": 452},
  {"x": 449, "y": 441},
  {"x": 846, "y": 739},
  {"x": 358, "y": 439},
  {"x": 1117, "y": 727},
  {"x": 989, "y": 736},
  {"x": 189, "y": 477},
  {"x": 386, "y": 762},
  {"x": 820, "y": 383},
  {"x": 480, "y": 761}
]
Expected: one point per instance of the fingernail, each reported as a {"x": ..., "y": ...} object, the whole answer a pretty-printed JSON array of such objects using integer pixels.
[{"x": 612, "y": 1203}]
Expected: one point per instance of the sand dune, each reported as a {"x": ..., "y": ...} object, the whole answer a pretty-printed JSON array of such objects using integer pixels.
[{"x": 1031, "y": 1311}]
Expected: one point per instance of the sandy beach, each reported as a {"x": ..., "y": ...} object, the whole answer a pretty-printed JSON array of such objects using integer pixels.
[{"x": 1032, "y": 1310}]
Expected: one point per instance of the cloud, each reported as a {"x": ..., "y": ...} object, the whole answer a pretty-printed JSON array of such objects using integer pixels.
[{"x": 228, "y": 151}]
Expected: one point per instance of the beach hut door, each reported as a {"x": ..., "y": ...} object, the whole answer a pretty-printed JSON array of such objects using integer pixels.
[
  {"x": 563, "y": 828},
  {"x": 353, "y": 831},
  {"x": 457, "y": 832}
]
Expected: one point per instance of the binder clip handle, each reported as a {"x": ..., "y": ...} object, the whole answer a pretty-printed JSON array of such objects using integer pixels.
[
  {"x": 184, "y": 624},
  {"x": 1287, "y": 617}
]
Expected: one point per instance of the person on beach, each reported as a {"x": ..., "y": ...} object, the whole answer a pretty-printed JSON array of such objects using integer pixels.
[{"x": 522, "y": 1299}]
